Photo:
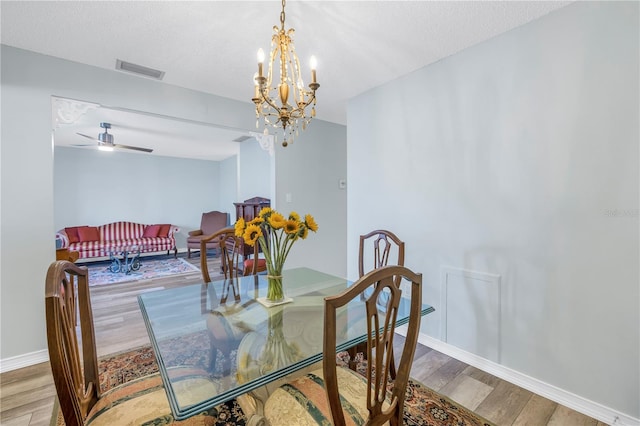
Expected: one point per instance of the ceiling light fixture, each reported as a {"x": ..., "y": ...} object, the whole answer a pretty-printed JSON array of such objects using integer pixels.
[
  {"x": 282, "y": 114},
  {"x": 105, "y": 140}
]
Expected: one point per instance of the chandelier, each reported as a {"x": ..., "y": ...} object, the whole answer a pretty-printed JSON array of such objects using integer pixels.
[{"x": 282, "y": 102}]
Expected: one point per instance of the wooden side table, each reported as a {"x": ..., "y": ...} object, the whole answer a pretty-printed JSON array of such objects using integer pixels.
[{"x": 66, "y": 254}]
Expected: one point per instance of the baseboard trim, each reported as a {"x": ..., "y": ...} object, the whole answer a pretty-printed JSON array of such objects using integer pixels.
[
  {"x": 568, "y": 399},
  {"x": 21, "y": 361}
]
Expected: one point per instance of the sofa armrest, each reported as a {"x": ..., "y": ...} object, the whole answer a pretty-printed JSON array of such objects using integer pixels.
[
  {"x": 172, "y": 231},
  {"x": 195, "y": 233},
  {"x": 62, "y": 236}
]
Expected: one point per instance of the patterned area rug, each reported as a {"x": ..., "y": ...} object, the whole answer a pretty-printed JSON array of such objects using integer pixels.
[
  {"x": 423, "y": 406},
  {"x": 101, "y": 274}
]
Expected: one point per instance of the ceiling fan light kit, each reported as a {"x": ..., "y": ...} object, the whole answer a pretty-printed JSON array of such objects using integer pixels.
[
  {"x": 271, "y": 96},
  {"x": 105, "y": 138},
  {"x": 105, "y": 141}
]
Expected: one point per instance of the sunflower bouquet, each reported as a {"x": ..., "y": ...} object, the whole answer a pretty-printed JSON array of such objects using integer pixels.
[{"x": 276, "y": 234}]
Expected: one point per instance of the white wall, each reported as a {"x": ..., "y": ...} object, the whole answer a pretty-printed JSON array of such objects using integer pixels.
[
  {"x": 94, "y": 187},
  {"x": 26, "y": 159},
  {"x": 519, "y": 157}
]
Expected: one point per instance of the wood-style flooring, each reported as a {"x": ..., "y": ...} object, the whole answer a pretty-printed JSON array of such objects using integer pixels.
[{"x": 27, "y": 395}]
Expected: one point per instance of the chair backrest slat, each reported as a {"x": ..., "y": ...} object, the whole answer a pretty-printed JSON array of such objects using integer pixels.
[
  {"x": 230, "y": 247},
  {"x": 75, "y": 377},
  {"x": 383, "y": 242},
  {"x": 382, "y": 294}
]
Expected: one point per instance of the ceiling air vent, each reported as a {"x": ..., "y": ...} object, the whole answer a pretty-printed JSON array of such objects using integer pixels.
[
  {"x": 241, "y": 138},
  {"x": 139, "y": 69}
]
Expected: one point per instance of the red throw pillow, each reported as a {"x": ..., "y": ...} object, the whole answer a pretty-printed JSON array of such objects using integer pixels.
[
  {"x": 88, "y": 233},
  {"x": 164, "y": 230},
  {"x": 151, "y": 231},
  {"x": 72, "y": 233}
]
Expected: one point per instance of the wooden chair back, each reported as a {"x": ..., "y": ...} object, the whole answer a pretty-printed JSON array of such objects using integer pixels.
[
  {"x": 382, "y": 242},
  {"x": 75, "y": 375},
  {"x": 375, "y": 250},
  {"x": 230, "y": 251},
  {"x": 381, "y": 314}
]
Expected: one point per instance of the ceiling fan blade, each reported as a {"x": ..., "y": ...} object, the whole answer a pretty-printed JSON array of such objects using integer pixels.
[
  {"x": 137, "y": 148},
  {"x": 87, "y": 136}
]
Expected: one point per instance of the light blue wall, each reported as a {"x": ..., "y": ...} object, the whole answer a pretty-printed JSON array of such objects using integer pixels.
[
  {"x": 519, "y": 157},
  {"x": 93, "y": 187},
  {"x": 229, "y": 186},
  {"x": 26, "y": 158},
  {"x": 309, "y": 170},
  {"x": 254, "y": 177}
]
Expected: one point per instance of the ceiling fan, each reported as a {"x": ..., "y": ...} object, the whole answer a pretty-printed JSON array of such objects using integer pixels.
[{"x": 105, "y": 140}]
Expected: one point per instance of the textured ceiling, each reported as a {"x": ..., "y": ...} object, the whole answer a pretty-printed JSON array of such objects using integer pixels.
[{"x": 210, "y": 46}]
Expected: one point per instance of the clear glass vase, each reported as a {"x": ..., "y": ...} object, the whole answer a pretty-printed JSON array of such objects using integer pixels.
[{"x": 275, "y": 292}]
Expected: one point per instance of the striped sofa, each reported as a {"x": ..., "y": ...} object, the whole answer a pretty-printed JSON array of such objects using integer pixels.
[{"x": 113, "y": 238}]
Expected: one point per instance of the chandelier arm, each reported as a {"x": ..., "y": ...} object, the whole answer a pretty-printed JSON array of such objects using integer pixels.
[
  {"x": 268, "y": 100},
  {"x": 303, "y": 105}
]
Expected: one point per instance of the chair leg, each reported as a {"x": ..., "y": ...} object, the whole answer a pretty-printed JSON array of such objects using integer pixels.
[
  {"x": 353, "y": 351},
  {"x": 188, "y": 253}
]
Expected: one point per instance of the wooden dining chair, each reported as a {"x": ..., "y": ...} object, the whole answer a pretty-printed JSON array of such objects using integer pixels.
[
  {"x": 227, "y": 244},
  {"x": 333, "y": 393},
  {"x": 76, "y": 373},
  {"x": 224, "y": 329},
  {"x": 374, "y": 251},
  {"x": 231, "y": 249},
  {"x": 224, "y": 335}
]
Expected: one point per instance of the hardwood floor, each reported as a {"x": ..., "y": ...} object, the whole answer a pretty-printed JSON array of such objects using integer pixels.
[{"x": 27, "y": 395}]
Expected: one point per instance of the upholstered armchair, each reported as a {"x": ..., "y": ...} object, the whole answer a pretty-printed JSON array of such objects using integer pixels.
[{"x": 211, "y": 223}]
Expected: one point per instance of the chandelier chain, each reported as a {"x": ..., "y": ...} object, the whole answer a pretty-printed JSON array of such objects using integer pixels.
[{"x": 282, "y": 14}]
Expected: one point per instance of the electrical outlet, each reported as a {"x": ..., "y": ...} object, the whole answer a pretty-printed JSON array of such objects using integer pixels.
[
  {"x": 288, "y": 197},
  {"x": 342, "y": 183}
]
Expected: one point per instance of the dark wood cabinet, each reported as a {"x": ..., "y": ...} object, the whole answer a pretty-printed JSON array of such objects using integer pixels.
[{"x": 251, "y": 208}]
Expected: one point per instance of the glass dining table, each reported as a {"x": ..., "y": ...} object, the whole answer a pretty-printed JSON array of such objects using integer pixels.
[{"x": 221, "y": 333}]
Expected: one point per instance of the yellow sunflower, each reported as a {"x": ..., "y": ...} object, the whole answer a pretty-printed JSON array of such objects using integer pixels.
[
  {"x": 265, "y": 211},
  {"x": 256, "y": 221},
  {"x": 310, "y": 222},
  {"x": 291, "y": 227},
  {"x": 294, "y": 216},
  {"x": 276, "y": 220},
  {"x": 304, "y": 232},
  {"x": 239, "y": 227},
  {"x": 251, "y": 234}
]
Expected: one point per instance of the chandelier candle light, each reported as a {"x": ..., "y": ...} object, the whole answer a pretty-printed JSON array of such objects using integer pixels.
[
  {"x": 271, "y": 100},
  {"x": 276, "y": 235}
]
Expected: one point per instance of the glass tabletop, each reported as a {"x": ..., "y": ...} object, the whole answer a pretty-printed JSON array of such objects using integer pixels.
[{"x": 214, "y": 342}]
